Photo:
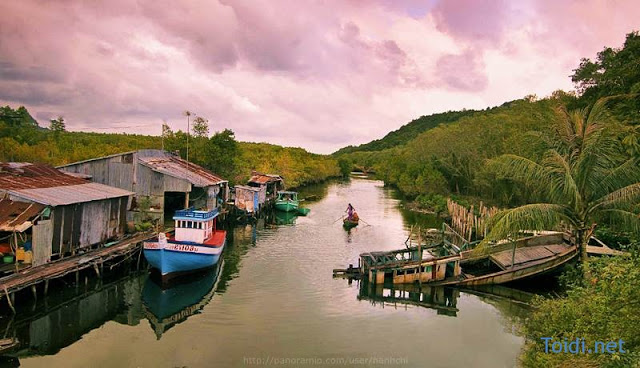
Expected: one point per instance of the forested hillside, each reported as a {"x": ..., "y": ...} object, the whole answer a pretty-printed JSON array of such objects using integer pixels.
[
  {"x": 407, "y": 132},
  {"x": 23, "y": 140},
  {"x": 456, "y": 157}
]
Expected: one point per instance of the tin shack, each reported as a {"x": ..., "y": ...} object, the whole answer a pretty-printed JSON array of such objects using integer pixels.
[
  {"x": 54, "y": 214},
  {"x": 271, "y": 183},
  {"x": 162, "y": 182}
]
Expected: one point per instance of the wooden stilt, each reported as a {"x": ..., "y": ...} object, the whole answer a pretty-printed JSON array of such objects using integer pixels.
[
  {"x": 10, "y": 300},
  {"x": 95, "y": 268},
  {"x": 46, "y": 286},
  {"x": 77, "y": 277},
  {"x": 34, "y": 291}
]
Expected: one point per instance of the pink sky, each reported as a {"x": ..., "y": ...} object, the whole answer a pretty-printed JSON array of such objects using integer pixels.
[{"x": 315, "y": 74}]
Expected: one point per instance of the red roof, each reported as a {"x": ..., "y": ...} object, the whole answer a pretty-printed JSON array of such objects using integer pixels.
[
  {"x": 260, "y": 178},
  {"x": 20, "y": 175}
]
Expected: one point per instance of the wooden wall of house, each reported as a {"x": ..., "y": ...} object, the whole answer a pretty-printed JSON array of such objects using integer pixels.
[
  {"x": 80, "y": 225},
  {"x": 117, "y": 171}
]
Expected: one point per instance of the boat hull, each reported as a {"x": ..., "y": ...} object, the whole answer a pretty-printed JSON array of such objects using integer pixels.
[
  {"x": 286, "y": 206},
  {"x": 349, "y": 224},
  {"x": 179, "y": 257}
]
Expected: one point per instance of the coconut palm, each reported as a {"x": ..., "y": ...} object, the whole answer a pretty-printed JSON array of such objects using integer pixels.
[{"x": 584, "y": 177}]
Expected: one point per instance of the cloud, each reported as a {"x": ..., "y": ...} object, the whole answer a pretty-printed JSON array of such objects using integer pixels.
[{"x": 323, "y": 75}]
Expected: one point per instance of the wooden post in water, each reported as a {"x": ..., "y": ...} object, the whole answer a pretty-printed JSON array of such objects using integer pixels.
[
  {"x": 46, "y": 286},
  {"x": 419, "y": 256}
]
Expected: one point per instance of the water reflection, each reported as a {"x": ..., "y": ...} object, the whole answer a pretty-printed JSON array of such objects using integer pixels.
[
  {"x": 168, "y": 305},
  {"x": 285, "y": 218},
  {"x": 60, "y": 319},
  {"x": 441, "y": 299}
]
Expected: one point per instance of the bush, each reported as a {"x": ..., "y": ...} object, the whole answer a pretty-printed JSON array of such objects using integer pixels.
[{"x": 606, "y": 309}]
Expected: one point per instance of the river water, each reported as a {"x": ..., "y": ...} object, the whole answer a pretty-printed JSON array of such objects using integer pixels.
[{"x": 273, "y": 300}]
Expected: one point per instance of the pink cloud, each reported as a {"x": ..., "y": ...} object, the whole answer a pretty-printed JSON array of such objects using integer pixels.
[{"x": 322, "y": 75}]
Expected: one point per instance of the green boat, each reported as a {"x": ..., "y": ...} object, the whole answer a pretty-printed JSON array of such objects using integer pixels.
[
  {"x": 350, "y": 224},
  {"x": 287, "y": 201}
]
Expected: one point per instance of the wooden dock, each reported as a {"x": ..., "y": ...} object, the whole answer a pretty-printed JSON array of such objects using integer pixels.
[{"x": 95, "y": 259}]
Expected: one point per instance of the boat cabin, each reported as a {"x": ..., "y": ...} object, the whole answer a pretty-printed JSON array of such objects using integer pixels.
[
  {"x": 287, "y": 196},
  {"x": 195, "y": 226}
]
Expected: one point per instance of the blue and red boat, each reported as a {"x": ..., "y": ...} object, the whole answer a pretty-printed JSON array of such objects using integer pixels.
[{"x": 196, "y": 245}]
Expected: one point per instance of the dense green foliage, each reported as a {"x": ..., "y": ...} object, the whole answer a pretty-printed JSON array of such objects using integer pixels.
[
  {"x": 407, "y": 132},
  {"x": 452, "y": 158},
  {"x": 584, "y": 177},
  {"x": 616, "y": 71},
  {"x": 21, "y": 139},
  {"x": 605, "y": 309}
]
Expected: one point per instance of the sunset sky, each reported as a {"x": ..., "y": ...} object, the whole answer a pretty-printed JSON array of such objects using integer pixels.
[{"x": 315, "y": 74}]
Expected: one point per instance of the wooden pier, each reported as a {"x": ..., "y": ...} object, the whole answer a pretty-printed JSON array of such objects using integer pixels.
[{"x": 95, "y": 259}]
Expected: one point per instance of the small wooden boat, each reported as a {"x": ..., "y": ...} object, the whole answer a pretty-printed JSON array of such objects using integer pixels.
[
  {"x": 351, "y": 222},
  {"x": 287, "y": 201},
  {"x": 197, "y": 244},
  {"x": 502, "y": 263}
]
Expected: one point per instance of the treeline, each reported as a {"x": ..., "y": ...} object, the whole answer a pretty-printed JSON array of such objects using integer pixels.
[
  {"x": 407, "y": 132},
  {"x": 456, "y": 157},
  {"x": 23, "y": 140}
]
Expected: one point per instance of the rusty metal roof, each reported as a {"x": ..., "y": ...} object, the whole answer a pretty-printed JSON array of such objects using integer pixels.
[
  {"x": 22, "y": 175},
  {"x": 17, "y": 216},
  {"x": 245, "y": 187},
  {"x": 260, "y": 178},
  {"x": 70, "y": 194},
  {"x": 181, "y": 169}
]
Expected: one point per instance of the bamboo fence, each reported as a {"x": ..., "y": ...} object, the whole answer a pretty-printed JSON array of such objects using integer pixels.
[{"x": 465, "y": 221}]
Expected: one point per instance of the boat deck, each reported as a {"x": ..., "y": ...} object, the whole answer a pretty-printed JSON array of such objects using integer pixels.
[
  {"x": 525, "y": 255},
  {"x": 216, "y": 240}
]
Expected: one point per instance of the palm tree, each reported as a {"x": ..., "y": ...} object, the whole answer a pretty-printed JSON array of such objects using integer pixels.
[{"x": 584, "y": 177}]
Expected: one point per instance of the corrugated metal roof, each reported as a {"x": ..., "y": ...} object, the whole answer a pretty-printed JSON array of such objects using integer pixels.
[
  {"x": 17, "y": 215},
  {"x": 70, "y": 194},
  {"x": 261, "y": 178},
  {"x": 177, "y": 167},
  {"x": 22, "y": 175},
  {"x": 244, "y": 187}
]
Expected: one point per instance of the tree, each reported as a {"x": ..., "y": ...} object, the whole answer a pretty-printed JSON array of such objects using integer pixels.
[
  {"x": 221, "y": 150},
  {"x": 584, "y": 177},
  {"x": 57, "y": 125},
  {"x": 200, "y": 127},
  {"x": 615, "y": 71}
]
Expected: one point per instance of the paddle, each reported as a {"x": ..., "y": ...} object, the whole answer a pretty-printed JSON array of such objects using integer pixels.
[
  {"x": 368, "y": 224},
  {"x": 339, "y": 218}
]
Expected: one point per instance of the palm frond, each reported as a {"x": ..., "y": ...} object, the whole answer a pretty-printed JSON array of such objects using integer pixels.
[
  {"x": 522, "y": 169},
  {"x": 564, "y": 187},
  {"x": 621, "y": 198},
  {"x": 537, "y": 216},
  {"x": 625, "y": 219},
  {"x": 622, "y": 175}
]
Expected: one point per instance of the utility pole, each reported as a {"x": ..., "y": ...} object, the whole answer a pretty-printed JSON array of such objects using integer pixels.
[{"x": 188, "y": 113}]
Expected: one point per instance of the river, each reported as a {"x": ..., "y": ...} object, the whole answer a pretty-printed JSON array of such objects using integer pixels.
[{"x": 273, "y": 300}]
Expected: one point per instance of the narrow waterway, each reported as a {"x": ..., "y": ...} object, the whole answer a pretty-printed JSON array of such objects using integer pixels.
[{"x": 274, "y": 300}]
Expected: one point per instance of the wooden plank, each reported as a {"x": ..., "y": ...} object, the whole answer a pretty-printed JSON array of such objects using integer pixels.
[
  {"x": 34, "y": 275},
  {"x": 41, "y": 242},
  {"x": 526, "y": 254}
]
